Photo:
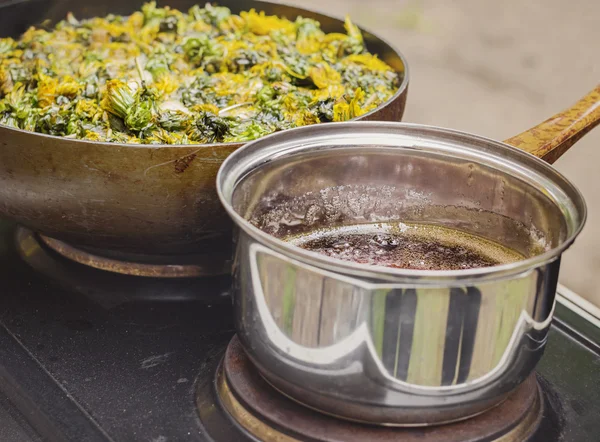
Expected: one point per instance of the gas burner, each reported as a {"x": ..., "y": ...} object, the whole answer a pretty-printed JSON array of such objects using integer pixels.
[
  {"x": 110, "y": 282},
  {"x": 135, "y": 265},
  {"x": 189, "y": 266},
  {"x": 270, "y": 416}
]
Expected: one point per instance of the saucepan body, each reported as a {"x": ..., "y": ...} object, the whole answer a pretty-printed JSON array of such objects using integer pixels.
[{"x": 386, "y": 345}]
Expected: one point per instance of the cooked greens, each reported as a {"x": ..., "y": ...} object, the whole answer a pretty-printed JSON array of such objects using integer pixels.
[{"x": 206, "y": 76}]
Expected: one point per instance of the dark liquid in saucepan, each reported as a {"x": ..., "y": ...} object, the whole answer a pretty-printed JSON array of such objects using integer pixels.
[{"x": 407, "y": 246}]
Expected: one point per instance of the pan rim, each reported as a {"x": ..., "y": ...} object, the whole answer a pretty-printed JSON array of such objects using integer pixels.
[{"x": 402, "y": 89}]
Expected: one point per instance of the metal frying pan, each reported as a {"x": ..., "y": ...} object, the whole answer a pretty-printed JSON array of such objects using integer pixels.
[{"x": 154, "y": 204}]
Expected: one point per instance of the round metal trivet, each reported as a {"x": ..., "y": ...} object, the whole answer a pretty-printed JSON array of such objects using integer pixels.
[
  {"x": 111, "y": 289},
  {"x": 135, "y": 265}
]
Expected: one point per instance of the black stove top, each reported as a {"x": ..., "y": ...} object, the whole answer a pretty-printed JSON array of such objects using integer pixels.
[{"x": 87, "y": 355}]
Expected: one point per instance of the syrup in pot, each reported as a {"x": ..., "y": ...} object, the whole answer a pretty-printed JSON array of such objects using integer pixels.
[{"x": 407, "y": 246}]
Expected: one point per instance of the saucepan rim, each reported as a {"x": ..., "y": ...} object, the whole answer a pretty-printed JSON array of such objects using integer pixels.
[{"x": 252, "y": 156}]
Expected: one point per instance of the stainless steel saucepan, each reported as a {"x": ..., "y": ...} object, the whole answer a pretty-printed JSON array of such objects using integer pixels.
[{"x": 393, "y": 346}]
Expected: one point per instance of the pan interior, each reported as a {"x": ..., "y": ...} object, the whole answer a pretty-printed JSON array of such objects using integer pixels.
[
  {"x": 18, "y": 16},
  {"x": 485, "y": 194}
]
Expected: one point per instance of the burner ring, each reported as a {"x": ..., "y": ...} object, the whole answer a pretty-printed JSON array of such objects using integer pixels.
[
  {"x": 133, "y": 265},
  {"x": 272, "y": 417},
  {"x": 111, "y": 289}
]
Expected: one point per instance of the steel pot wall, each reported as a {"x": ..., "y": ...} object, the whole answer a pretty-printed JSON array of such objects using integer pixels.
[{"x": 383, "y": 345}]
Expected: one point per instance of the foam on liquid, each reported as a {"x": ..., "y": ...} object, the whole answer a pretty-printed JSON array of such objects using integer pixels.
[{"x": 407, "y": 246}]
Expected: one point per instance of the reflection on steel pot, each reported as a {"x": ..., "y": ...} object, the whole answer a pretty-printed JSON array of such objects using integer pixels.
[
  {"x": 146, "y": 204},
  {"x": 386, "y": 345}
]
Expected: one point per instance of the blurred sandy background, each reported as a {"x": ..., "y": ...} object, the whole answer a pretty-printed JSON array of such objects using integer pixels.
[{"x": 496, "y": 68}]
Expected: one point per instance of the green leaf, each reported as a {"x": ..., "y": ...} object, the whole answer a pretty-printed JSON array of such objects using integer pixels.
[{"x": 208, "y": 128}]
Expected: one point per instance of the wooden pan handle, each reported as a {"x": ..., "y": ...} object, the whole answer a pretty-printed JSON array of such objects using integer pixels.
[{"x": 550, "y": 139}]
